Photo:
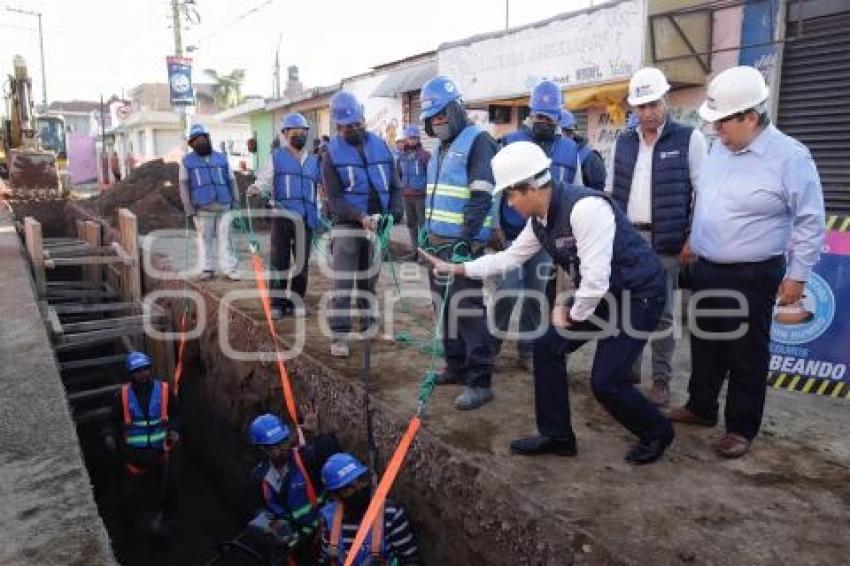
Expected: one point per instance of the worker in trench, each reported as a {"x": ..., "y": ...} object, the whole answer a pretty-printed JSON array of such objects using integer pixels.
[
  {"x": 391, "y": 539},
  {"x": 208, "y": 191},
  {"x": 458, "y": 224},
  {"x": 144, "y": 430},
  {"x": 289, "y": 478},
  {"x": 358, "y": 174},
  {"x": 292, "y": 181},
  {"x": 619, "y": 294}
]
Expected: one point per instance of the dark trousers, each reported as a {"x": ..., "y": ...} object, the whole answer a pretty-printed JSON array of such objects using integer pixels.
[
  {"x": 414, "y": 212},
  {"x": 609, "y": 377},
  {"x": 284, "y": 248},
  {"x": 352, "y": 258},
  {"x": 470, "y": 351},
  {"x": 745, "y": 360}
]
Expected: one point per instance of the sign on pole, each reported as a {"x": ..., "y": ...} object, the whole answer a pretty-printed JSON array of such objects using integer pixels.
[{"x": 180, "y": 81}]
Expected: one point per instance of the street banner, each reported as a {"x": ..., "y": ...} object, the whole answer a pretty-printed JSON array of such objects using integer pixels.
[
  {"x": 810, "y": 341},
  {"x": 180, "y": 81}
]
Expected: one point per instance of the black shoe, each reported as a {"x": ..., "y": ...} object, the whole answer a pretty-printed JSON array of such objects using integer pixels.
[
  {"x": 536, "y": 445},
  {"x": 648, "y": 451},
  {"x": 448, "y": 377}
]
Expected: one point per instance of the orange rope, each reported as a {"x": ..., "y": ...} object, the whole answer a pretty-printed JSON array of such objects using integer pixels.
[
  {"x": 288, "y": 395},
  {"x": 178, "y": 369},
  {"x": 380, "y": 495}
]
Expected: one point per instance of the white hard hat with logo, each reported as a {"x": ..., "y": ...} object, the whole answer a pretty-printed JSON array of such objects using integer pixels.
[
  {"x": 517, "y": 162},
  {"x": 647, "y": 85},
  {"x": 732, "y": 91}
]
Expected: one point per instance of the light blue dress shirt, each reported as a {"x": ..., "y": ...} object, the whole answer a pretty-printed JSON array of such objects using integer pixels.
[{"x": 763, "y": 201}]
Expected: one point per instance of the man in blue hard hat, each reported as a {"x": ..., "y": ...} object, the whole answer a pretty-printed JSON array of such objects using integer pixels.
[
  {"x": 619, "y": 294},
  {"x": 143, "y": 430},
  {"x": 655, "y": 170},
  {"x": 208, "y": 190},
  {"x": 458, "y": 224},
  {"x": 292, "y": 179},
  {"x": 591, "y": 162},
  {"x": 527, "y": 283},
  {"x": 358, "y": 173},
  {"x": 413, "y": 171},
  {"x": 391, "y": 539},
  {"x": 291, "y": 486}
]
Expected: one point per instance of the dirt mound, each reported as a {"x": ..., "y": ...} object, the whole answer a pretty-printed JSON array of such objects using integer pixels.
[{"x": 151, "y": 192}]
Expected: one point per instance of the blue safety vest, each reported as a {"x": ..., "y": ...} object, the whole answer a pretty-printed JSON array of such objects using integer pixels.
[
  {"x": 448, "y": 179},
  {"x": 413, "y": 174},
  {"x": 295, "y": 184},
  {"x": 145, "y": 429},
  {"x": 360, "y": 173},
  {"x": 293, "y": 496},
  {"x": 209, "y": 181},
  {"x": 562, "y": 151},
  {"x": 374, "y": 547}
]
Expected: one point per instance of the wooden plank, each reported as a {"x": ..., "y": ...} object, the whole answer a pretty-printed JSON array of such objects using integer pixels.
[
  {"x": 92, "y": 231},
  {"x": 105, "y": 323},
  {"x": 93, "y": 362},
  {"x": 81, "y": 229},
  {"x": 98, "y": 414},
  {"x": 34, "y": 243},
  {"x": 82, "y": 251},
  {"x": 73, "y": 285},
  {"x": 53, "y": 320},
  {"x": 82, "y": 260},
  {"x": 120, "y": 252},
  {"x": 88, "y": 395},
  {"x": 86, "y": 339},
  {"x": 81, "y": 294},
  {"x": 131, "y": 281},
  {"x": 105, "y": 307}
]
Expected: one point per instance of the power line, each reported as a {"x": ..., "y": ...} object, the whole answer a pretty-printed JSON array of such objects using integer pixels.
[{"x": 245, "y": 15}]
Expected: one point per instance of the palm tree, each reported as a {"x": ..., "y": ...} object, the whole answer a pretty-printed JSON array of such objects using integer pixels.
[{"x": 227, "y": 89}]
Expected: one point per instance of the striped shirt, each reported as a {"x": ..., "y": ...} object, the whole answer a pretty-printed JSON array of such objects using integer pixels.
[{"x": 398, "y": 534}]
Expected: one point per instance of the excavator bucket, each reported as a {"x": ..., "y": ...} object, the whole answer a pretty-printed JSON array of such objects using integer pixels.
[{"x": 33, "y": 173}]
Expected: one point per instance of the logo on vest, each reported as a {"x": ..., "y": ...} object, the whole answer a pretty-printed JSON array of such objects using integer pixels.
[
  {"x": 666, "y": 154},
  {"x": 565, "y": 242}
]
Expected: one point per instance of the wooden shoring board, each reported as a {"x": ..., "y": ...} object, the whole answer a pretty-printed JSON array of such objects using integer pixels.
[{"x": 93, "y": 362}]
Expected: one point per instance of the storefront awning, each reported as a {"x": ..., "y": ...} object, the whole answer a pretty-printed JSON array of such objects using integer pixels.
[
  {"x": 609, "y": 95},
  {"x": 406, "y": 80}
]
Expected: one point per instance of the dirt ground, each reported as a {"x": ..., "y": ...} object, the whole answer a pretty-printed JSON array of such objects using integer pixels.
[{"x": 784, "y": 503}]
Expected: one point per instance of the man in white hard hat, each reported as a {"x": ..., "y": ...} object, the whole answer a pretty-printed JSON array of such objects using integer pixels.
[
  {"x": 760, "y": 198},
  {"x": 619, "y": 295},
  {"x": 654, "y": 173}
]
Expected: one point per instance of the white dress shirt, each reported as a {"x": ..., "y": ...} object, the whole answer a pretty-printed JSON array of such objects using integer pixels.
[{"x": 593, "y": 226}]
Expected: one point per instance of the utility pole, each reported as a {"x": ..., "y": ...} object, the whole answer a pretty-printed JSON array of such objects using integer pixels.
[
  {"x": 41, "y": 47},
  {"x": 507, "y": 13},
  {"x": 276, "y": 87},
  {"x": 176, "y": 5}
]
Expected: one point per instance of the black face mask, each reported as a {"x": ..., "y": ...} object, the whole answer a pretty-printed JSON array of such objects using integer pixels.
[
  {"x": 298, "y": 142},
  {"x": 202, "y": 148},
  {"x": 359, "y": 500},
  {"x": 355, "y": 136},
  {"x": 543, "y": 131}
]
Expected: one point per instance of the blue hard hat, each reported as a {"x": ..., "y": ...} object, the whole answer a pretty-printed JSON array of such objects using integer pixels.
[
  {"x": 546, "y": 99},
  {"x": 136, "y": 361},
  {"x": 436, "y": 94},
  {"x": 198, "y": 130},
  {"x": 341, "y": 470},
  {"x": 567, "y": 121},
  {"x": 346, "y": 109},
  {"x": 411, "y": 131},
  {"x": 268, "y": 430},
  {"x": 294, "y": 120}
]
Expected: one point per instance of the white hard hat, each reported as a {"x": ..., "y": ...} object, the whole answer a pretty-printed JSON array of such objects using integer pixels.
[
  {"x": 732, "y": 91},
  {"x": 647, "y": 85},
  {"x": 518, "y": 162}
]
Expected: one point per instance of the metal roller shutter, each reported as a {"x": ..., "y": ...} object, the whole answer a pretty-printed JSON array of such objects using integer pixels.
[{"x": 814, "y": 96}]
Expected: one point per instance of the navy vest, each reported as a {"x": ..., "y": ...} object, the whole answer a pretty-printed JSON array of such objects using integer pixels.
[
  {"x": 295, "y": 184},
  {"x": 671, "y": 183},
  {"x": 564, "y": 154},
  {"x": 358, "y": 175},
  {"x": 208, "y": 182},
  {"x": 634, "y": 266},
  {"x": 413, "y": 174}
]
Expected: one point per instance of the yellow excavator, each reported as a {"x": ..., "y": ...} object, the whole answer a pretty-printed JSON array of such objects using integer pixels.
[{"x": 30, "y": 143}]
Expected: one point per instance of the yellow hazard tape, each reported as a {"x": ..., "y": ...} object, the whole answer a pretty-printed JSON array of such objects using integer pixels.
[
  {"x": 813, "y": 385},
  {"x": 838, "y": 222}
]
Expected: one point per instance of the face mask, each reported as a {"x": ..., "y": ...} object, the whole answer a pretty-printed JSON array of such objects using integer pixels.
[
  {"x": 443, "y": 131},
  {"x": 355, "y": 137},
  {"x": 543, "y": 131},
  {"x": 202, "y": 148},
  {"x": 298, "y": 142}
]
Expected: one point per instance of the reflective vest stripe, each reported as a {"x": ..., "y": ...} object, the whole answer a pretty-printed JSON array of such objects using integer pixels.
[
  {"x": 145, "y": 438},
  {"x": 452, "y": 191}
]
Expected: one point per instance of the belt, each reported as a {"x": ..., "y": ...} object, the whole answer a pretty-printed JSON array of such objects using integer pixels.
[
  {"x": 643, "y": 226},
  {"x": 775, "y": 260}
]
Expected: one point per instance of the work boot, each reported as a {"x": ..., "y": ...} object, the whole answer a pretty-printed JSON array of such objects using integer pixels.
[
  {"x": 648, "y": 451},
  {"x": 732, "y": 446},
  {"x": 449, "y": 377},
  {"x": 473, "y": 397},
  {"x": 684, "y": 415},
  {"x": 234, "y": 275},
  {"x": 659, "y": 393},
  {"x": 340, "y": 349},
  {"x": 206, "y": 275},
  {"x": 537, "y": 445}
]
